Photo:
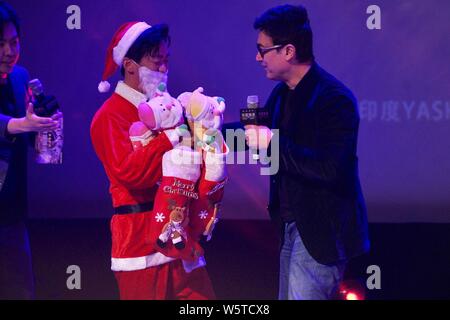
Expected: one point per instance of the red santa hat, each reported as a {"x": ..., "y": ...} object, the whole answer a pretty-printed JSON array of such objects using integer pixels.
[{"x": 122, "y": 40}]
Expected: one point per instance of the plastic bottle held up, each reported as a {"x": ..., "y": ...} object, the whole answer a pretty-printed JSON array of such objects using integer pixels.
[{"x": 49, "y": 145}]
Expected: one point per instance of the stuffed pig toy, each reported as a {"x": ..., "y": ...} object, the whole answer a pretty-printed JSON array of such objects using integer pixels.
[{"x": 159, "y": 113}]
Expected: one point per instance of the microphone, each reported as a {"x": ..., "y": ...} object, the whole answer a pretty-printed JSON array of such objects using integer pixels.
[
  {"x": 48, "y": 144},
  {"x": 44, "y": 106},
  {"x": 254, "y": 115}
]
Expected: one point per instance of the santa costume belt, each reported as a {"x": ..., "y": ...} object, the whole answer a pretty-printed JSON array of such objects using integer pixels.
[{"x": 134, "y": 208}]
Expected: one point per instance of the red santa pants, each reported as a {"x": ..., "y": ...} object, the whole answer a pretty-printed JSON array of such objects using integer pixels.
[{"x": 168, "y": 281}]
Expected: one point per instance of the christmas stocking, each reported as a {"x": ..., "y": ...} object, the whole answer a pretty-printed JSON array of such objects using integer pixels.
[
  {"x": 181, "y": 170},
  {"x": 203, "y": 211}
]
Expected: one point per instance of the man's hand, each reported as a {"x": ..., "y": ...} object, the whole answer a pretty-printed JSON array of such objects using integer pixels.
[
  {"x": 257, "y": 137},
  {"x": 33, "y": 123}
]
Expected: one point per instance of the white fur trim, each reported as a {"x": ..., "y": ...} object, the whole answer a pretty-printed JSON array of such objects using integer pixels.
[
  {"x": 104, "y": 86},
  {"x": 215, "y": 165},
  {"x": 139, "y": 263},
  {"x": 127, "y": 92},
  {"x": 182, "y": 162},
  {"x": 127, "y": 41},
  {"x": 173, "y": 136},
  {"x": 142, "y": 137}
]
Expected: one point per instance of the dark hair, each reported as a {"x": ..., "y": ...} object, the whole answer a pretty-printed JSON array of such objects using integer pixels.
[
  {"x": 148, "y": 43},
  {"x": 288, "y": 24},
  {"x": 8, "y": 15}
]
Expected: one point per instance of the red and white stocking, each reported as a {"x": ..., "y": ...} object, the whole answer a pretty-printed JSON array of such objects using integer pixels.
[
  {"x": 203, "y": 212},
  {"x": 181, "y": 170}
]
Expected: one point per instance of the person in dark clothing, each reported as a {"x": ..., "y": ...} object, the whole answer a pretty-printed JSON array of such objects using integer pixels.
[
  {"x": 316, "y": 195},
  {"x": 17, "y": 124}
]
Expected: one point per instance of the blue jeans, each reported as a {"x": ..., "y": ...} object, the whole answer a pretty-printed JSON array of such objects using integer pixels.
[
  {"x": 16, "y": 274},
  {"x": 302, "y": 277}
]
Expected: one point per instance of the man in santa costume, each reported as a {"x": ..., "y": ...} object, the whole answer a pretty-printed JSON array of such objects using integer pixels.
[{"x": 141, "y": 270}]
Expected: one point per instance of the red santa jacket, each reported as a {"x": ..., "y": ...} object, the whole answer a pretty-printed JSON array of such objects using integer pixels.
[{"x": 132, "y": 174}]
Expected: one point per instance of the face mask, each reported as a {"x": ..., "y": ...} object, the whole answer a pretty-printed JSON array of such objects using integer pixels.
[{"x": 153, "y": 83}]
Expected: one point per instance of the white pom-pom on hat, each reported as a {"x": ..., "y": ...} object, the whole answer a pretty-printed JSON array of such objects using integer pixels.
[{"x": 104, "y": 86}]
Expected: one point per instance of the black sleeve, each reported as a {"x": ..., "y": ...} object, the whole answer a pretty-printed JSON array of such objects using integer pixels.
[
  {"x": 31, "y": 139},
  {"x": 4, "y": 135},
  {"x": 337, "y": 135}
]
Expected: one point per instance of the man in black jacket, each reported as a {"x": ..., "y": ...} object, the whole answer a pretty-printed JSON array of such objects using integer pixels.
[
  {"x": 16, "y": 123},
  {"x": 316, "y": 194}
]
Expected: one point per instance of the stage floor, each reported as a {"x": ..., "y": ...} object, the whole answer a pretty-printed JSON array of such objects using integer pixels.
[{"x": 242, "y": 260}]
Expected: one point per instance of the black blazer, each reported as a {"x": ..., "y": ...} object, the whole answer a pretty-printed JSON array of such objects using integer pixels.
[
  {"x": 13, "y": 154},
  {"x": 319, "y": 167},
  {"x": 19, "y": 80}
]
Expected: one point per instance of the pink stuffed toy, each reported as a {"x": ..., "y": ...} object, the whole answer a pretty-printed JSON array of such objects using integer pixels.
[{"x": 160, "y": 113}]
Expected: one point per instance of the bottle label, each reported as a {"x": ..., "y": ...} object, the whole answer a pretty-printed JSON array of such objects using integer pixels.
[{"x": 49, "y": 145}]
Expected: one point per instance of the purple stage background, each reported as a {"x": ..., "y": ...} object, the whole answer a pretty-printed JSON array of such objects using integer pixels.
[{"x": 399, "y": 74}]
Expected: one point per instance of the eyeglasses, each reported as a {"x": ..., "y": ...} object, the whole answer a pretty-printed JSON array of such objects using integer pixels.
[{"x": 263, "y": 50}]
